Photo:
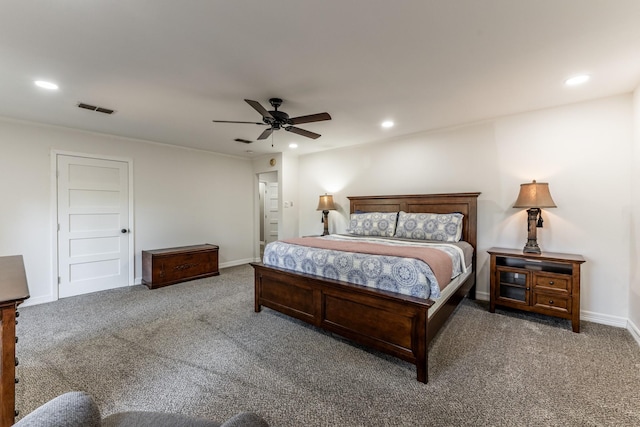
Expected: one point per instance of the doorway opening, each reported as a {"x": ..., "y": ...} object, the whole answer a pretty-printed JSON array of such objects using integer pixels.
[{"x": 269, "y": 208}]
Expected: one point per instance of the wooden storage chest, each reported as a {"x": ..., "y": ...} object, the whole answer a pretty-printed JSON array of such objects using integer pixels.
[{"x": 162, "y": 267}]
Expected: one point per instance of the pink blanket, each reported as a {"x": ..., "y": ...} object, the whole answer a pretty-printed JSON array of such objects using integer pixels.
[{"x": 439, "y": 261}]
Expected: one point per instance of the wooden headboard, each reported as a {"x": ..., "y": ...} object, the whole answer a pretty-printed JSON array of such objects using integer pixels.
[{"x": 465, "y": 203}]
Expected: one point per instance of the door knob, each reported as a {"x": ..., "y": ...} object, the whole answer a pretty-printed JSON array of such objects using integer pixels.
[{"x": 124, "y": 231}]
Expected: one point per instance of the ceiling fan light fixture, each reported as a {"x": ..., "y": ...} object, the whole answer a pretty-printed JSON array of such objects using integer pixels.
[{"x": 293, "y": 145}]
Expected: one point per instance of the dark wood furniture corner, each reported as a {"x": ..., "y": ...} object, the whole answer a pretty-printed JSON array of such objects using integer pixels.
[
  {"x": 546, "y": 283},
  {"x": 13, "y": 291},
  {"x": 163, "y": 267}
]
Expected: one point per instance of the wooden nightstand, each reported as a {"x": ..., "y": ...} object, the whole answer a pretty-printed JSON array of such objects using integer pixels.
[{"x": 547, "y": 283}]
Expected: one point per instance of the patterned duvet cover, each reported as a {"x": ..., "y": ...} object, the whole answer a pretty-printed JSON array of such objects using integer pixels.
[{"x": 403, "y": 275}]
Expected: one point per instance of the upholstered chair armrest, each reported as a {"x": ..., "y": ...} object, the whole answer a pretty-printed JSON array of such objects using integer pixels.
[{"x": 72, "y": 409}]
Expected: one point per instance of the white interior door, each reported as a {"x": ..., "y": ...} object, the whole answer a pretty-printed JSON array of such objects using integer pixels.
[
  {"x": 271, "y": 212},
  {"x": 93, "y": 224}
]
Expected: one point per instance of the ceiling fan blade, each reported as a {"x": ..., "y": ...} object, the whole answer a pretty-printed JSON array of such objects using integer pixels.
[
  {"x": 310, "y": 118},
  {"x": 259, "y": 108},
  {"x": 303, "y": 132},
  {"x": 266, "y": 133},
  {"x": 246, "y": 141},
  {"x": 232, "y": 121}
]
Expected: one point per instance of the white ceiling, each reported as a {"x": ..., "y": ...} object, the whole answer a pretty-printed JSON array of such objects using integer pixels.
[{"x": 169, "y": 67}]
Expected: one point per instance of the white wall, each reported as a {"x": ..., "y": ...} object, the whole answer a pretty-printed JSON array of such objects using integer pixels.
[
  {"x": 289, "y": 201},
  {"x": 582, "y": 150},
  {"x": 634, "y": 287},
  {"x": 181, "y": 197}
]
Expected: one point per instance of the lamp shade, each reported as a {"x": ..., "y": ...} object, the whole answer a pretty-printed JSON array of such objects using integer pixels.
[
  {"x": 534, "y": 195},
  {"x": 326, "y": 203}
]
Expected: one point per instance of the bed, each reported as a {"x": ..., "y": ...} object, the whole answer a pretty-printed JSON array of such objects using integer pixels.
[{"x": 396, "y": 324}]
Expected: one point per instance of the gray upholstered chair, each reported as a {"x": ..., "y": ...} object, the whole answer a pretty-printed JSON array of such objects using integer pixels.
[{"x": 78, "y": 409}]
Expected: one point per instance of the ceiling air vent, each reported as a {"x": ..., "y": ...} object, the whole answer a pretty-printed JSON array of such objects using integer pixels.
[{"x": 94, "y": 108}]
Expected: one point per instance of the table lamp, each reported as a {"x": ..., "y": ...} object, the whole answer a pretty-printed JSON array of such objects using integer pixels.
[
  {"x": 534, "y": 196},
  {"x": 325, "y": 205}
]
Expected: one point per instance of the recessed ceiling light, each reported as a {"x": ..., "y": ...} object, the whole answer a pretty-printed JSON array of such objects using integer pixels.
[
  {"x": 293, "y": 145},
  {"x": 577, "y": 80},
  {"x": 46, "y": 85},
  {"x": 387, "y": 124}
]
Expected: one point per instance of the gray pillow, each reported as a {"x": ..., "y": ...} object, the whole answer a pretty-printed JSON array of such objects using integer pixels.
[
  {"x": 373, "y": 224},
  {"x": 430, "y": 226}
]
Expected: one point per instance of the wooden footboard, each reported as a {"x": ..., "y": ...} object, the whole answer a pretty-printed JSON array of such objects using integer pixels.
[{"x": 396, "y": 325}]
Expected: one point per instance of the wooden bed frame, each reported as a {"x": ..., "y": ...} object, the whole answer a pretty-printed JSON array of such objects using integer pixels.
[{"x": 394, "y": 324}]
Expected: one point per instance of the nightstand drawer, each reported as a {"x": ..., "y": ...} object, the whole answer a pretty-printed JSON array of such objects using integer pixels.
[
  {"x": 552, "y": 282},
  {"x": 551, "y": 302}
]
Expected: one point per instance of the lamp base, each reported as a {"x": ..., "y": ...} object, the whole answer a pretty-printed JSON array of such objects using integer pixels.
[
  {"x": 531, "y": 248},
  {"x": 532, "y": 241},
  {"x": 325, "y": 220}
]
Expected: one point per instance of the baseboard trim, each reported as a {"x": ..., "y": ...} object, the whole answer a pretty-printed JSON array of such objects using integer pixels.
[
  {"x": 37, "y": 300},
  {"x": 589, "y": 316},
  {"x": 604, "y": 319},
  {"x": 237, "y": 262},
  {"x": 482, "y": 296},
  {"x": 634, "y": 330}
]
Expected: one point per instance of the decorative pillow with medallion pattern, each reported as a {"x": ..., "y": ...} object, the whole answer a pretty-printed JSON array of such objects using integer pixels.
[
  {"x": 430, "y": 226},
  {"x": 373, "y": 224}
]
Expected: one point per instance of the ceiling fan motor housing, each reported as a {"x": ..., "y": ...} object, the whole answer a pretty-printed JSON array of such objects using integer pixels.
[
  {"x": 279, "y": 117},
  {"x": 280, "y": 120}
]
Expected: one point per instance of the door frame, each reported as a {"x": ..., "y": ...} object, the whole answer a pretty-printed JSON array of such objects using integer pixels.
[{"x": 54, "y": 261}]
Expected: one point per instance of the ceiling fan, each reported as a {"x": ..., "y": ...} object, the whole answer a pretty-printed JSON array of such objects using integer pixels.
[{"x": 280, "y": 120}]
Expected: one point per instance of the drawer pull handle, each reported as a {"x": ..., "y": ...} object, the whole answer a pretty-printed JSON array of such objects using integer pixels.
[
  {"x": 551, "y": 282},
  {"x": 550, "y": 301}
]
